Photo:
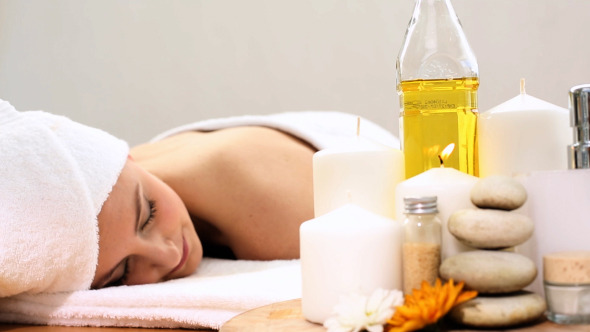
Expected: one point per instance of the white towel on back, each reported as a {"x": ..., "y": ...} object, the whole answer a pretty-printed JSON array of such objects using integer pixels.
[{"x": 322, "y": 129}]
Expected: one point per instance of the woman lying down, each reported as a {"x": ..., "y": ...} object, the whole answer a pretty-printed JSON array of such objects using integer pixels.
[{"x": 80, "y": 210}]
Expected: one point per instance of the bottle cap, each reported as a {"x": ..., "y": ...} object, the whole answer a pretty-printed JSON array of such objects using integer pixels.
[
  {"x": 579, "y": 104},
  {"x": 420, "y": 205}
]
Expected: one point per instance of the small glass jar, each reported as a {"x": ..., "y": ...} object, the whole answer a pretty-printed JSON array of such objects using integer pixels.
[
  {"x": 567, "y": 286},
  {"x": 422, "y": 242}
]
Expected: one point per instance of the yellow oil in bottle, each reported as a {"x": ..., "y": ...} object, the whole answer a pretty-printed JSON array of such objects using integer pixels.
[{"x": 434, "y": 114}]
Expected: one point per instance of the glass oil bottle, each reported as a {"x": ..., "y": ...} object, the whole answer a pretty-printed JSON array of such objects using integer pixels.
[{"x": 437, "y": 83}]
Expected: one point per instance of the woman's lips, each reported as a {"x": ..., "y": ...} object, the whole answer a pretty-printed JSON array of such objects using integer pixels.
[{"x": 183, "y": 258}]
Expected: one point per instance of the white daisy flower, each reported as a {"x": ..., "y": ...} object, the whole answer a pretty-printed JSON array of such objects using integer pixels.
[{"x": 356, "y": 312}]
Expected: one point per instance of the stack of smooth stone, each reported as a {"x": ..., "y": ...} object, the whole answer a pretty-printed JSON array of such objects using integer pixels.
[{"x": 498, "y": 274}]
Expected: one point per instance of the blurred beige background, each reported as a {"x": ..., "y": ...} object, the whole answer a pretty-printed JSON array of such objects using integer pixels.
[{"x": 138, "y": 67}]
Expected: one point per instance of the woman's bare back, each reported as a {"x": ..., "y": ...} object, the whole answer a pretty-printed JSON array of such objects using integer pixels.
[{"x": 247, "y": 188}]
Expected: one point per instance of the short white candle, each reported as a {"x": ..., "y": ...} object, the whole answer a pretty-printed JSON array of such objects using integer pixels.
[
  {"x": 523, "y": 134},
  {"x": 348, "y": 250},
  {"x": 452, "y": 188},
  {"x": 364, "y": 173}
]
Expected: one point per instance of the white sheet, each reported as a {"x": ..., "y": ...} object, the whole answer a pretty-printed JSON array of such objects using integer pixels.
[{"x": 216, "y": 292}]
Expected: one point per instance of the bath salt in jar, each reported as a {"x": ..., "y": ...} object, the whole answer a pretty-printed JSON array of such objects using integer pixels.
[
  {"x": 422, "y": 242},
  {"x": 566, "y": 277}
]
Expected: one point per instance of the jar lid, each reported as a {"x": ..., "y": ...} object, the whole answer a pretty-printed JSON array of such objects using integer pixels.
[
  {"x": 567, "y": 267},
  {"x": 420, "y": 205}
]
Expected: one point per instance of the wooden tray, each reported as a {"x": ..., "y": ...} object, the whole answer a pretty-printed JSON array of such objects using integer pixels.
[{"x": 286, "y": 316}]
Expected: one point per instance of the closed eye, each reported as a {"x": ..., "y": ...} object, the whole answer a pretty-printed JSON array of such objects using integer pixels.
[{"x": 151, "y": 215}]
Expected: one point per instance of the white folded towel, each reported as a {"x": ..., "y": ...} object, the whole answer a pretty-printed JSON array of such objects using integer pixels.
[
  {"x": 216, "y": 292},
  {"x": 55, "y": 174}
]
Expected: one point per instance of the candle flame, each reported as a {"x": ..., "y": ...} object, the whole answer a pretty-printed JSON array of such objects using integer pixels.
[{"x": 446, "y": 152}]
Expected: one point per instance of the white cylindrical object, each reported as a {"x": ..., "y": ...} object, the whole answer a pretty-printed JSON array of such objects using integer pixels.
[
  {"x": 558, "y": 204},
  {"x": 348, "y": 250},
  {"x": 521, "y": 135},
  {"x": 452, "y": 188},
  {"x": 364, "y": 174}
]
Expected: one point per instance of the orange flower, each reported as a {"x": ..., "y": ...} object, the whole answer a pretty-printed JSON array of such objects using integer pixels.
[{"x": 427, "y": 305}]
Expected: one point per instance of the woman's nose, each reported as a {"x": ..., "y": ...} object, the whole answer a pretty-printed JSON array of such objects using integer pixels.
[
  {"x": 155, "y": 259},
  {"x": 164, "y": 253}
]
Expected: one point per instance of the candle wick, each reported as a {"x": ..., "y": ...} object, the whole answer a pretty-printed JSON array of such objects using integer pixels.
[
  {"x": 522, "y": 91},
  {"x": 441, "y": 161},
  {"x": 358, "y": 126}
]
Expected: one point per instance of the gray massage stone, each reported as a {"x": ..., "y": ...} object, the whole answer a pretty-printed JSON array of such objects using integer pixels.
[
  {"x": 500, "y": 311},
  {"x": 490, "y": 229},
  {"x": 498, "y": 192},
  {"x": 490, "y": 272}
]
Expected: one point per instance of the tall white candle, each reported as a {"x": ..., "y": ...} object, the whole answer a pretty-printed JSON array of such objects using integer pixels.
[
  {"x": 452, "y": 188},
  {"x": 523, "y": 134},
  {"x": 348, "y": 250},
  {"x": 364, "y": 173}
]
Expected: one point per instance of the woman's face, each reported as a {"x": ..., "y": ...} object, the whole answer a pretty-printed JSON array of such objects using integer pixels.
[{"x": 145, "y": 233}]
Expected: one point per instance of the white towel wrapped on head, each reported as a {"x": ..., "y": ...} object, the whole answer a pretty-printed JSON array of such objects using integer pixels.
[{"x": 55, "y": 175}]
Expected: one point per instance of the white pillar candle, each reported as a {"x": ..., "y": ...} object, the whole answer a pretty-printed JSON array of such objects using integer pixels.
[
  {"x": 364, "y": 173},
  {"x": 523, "y": 134},
  {"x": 452, "y": 188},
  {"x": 348, "y": 250},
  {"x": 557, "y": 202}
]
